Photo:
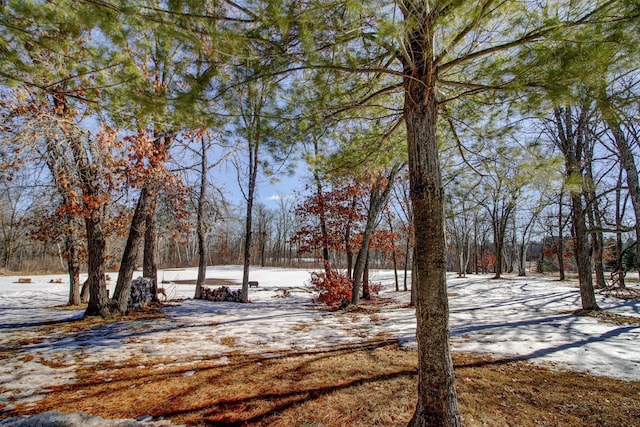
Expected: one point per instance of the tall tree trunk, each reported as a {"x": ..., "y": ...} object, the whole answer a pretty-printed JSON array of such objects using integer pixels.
[
  {"x": 626, "y": 160},
  {"x": 620, "y": 210},
  {"x": 163, "y": 141},
  {"x": 498, "y": 243},
  {"x": 149, "y": 264},
  {"x": 407, "y": 262},
  {"x": 347, "y": 240},
  {"x": 129, "y": 256},
  {"x": 560, "y": 245},
  {"x": 201, "y": 227},
  {"x": 96, "y": 242},
  {"x": 248, "y": 236},
  {"x": 73, "y": 266},
  {"x": 594, "y": 218},
  {"x": 202, "y": 259},
  {"x": 583, "y": 260},
  {"x": 437, "y": 403},
  {"x": 571, "y": 139},
  {"x": 379, "y": 198}
]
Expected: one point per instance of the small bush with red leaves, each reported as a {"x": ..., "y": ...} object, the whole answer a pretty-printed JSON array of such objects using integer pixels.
[
  {"x": 375, "y": 288},
  {"x": 334, "y": 288}
]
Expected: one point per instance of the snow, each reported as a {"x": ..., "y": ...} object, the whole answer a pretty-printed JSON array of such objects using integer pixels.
[{"x": 518, "y": 317}]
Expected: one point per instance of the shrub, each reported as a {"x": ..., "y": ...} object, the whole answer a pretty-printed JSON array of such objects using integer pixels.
[{"x": 334, "y": 288}]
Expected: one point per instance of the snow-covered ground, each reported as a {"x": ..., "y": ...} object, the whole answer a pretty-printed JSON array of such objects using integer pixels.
[{"x": 528, "y": 318}]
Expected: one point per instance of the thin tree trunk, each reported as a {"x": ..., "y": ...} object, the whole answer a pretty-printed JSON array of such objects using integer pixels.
[
  {"x": 571, "y": 141},
  {"x": 627, "y": 161},
  {"x": 393, "y": 255},
  {"x": 149, "y": 264},
  {"x": 560, "y": 245},
  {"x": 498, "y": 242},
  {"x": 73, "y": 266},
  {"x": 379, "y": 198},
  {"x": 407, "y": 262},
  {"x": 248, "y": 237},
  {"x": 130, "y": 255},
  {"x": 201, "y": 227},
  {"x": 366, "y": 291}
]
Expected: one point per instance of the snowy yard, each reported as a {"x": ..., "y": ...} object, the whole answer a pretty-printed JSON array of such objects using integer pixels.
[{"x": 524, "y": 318}]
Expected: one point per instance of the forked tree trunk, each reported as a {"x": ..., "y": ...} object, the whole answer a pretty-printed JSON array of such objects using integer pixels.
[
  {"x": 96, "y": 242},
  {"x": 571, "y": 139},
  {"x": 437, "y": 401}
]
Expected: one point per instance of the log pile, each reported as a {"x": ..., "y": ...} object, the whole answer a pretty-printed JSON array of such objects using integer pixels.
[
  {"x": 220, "y": 294},
  {"x": 142, "y": 293}
]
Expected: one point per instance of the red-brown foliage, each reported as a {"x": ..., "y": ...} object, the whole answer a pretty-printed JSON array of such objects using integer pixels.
[{"x": 333, "y": 287}]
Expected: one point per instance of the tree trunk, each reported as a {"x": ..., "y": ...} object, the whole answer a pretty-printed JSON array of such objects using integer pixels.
[
  {"x": 498, "y": 242},
  {"x": 149, "y": 264},
  {"x": 379, "y": 198},
  {"x": 407, "y": 261},
  {"x": 437, "y": 403},
  {"x": 583, "y": 260},
  {"x": 366, "y": 291},
  {"x": 73, "y": 266},
  {"x": 560, "y": 245},
  {"x": 248, "y": 237},
  {"x": 594, "y": 217},
  {"x": 571, "y": 138},
  {"x": 202, "y": 259},
  {"x": 522, "y": 259},
  {"x": 413, "y": 297},
  {"x": 96, "y": 248},
  {"x": 129, "y": 256},
  {"x": 323, "y": 225},
  {"x": 201, "y": 227},
  {"x": 628, "y": 164}
]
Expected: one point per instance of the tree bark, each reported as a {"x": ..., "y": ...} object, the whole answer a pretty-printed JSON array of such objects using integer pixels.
[
  {"x": 626, "y": 160},
  {"x": 323, "y": 215},
  {"x": 96, "y": 243},
  {"x": 378, "y": 199},
  {"x": 129, "y": 256},
  {"x": 437, "y": 401},
  {"x": 583, "y": 260},
  {"x": 73, "y": 266},
  {"x": 201, "y": 226},
  {"x": 571, "y": 141},
  {"x": 560, "y": 245},
  {"x": 594, "y": 221},
  {"x": 248, "y": 235},
  {"x": 96, "y": 248},
  {"x": 149, "y": 264}
]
